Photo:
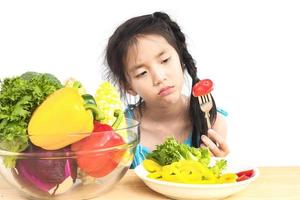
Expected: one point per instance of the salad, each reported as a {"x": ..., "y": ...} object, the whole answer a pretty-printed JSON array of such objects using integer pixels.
[
  {"x": 38, "y": 114},
  {"x": 180, "y": 163}
]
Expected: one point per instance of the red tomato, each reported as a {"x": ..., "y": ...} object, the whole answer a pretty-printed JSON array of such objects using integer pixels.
[
  {"x": 203, "y": 87},
  {"x": 97, "y": 163},
  {"x": 248, "y": 173}
]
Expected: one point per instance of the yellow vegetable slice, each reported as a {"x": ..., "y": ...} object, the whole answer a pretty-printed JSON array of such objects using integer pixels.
[
  {"x": 155, "y": 175},
  {"x": 151, "y": 166},
  {"x": 228, "y": 178},
  {"x": 185, "y": 171},
  {"x": 170, "y": 173}
]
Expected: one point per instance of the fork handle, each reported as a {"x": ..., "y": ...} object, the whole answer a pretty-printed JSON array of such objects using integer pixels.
[{"x": 207, "y": 120}]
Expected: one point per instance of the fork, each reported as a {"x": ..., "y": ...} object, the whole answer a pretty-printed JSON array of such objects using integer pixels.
[{"x": 206, "y": 104}]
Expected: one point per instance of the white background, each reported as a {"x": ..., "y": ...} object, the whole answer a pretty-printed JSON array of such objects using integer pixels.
[{"x": 250, "y": 49}]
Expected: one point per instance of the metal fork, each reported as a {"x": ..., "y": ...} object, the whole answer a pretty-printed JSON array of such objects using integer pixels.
[{"x": 206, "y": 105}]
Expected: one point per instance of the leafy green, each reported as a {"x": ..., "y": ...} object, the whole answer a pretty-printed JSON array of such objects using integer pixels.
[
  {"x": 218, "y": 167},
  {"x": 50, "y": 77},
  {"x": 171, "y": 151},
  {"x": 19, "y": 97}
]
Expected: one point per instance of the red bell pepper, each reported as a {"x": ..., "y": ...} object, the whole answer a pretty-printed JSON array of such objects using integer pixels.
[
  {"x": 244, "y": 175},
  {"x": 246, "y": 172},
  {"x": 202, "y": 87},
  {"x": 96, "y": 163}
]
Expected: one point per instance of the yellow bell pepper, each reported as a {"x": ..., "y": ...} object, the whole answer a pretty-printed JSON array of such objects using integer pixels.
[
  {"x": 62, "y": 119},
  {"x": 151, "y": 166},
  {"x": 228, "y": 178}
]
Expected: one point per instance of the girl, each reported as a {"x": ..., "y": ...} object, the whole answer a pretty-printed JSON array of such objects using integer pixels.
[{"x": 147, "y": 56}]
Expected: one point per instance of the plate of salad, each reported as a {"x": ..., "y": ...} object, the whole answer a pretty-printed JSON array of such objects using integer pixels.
[{"x": 182, "y": 172}]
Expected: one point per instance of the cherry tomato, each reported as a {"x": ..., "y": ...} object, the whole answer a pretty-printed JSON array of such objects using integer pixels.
[{"x": 203, "y": 87}]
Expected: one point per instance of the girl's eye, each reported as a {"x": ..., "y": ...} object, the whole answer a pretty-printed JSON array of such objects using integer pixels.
[
  {"x": 141, "y": 74},
  {"x": 166, "y": 60}
]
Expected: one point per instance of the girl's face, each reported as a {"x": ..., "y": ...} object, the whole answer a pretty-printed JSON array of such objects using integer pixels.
[{"x": 154, "y": 70}]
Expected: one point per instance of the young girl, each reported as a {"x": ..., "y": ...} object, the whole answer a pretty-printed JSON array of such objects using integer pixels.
[{"x": 147, "y": 56}]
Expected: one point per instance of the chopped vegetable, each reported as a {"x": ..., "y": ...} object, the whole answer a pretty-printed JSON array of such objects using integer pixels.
[
  {"x": 228, "y": 178},
  {"x": 171, "y": 151},
  {"x": 19, "y": 97},
  {"x": 175, "y": 162},
  {"x": 218, "y": 167},
  {"x": 151, "y": 166},
  {"x": 248, "y": 173},
  {"x": 202, "y": 87},
  {"x": 244, "y": 175},
  {"x": 187, "y": 171},
  {"x": 60, "y": 120},
  {"x": 184, "y": 171}
]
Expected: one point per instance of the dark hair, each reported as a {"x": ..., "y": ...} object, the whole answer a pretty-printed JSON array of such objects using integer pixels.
[{"x": 159, "y": 24}]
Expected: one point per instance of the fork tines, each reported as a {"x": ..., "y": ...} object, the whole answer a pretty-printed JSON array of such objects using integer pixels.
[{"x": 206, "y": 104}]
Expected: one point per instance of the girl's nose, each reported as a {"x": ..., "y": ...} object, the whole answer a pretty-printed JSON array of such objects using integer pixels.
[{"x": 158, "y": 77}]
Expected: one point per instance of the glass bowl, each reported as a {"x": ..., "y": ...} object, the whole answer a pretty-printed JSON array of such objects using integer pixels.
[{"x": 71, "y": 174}]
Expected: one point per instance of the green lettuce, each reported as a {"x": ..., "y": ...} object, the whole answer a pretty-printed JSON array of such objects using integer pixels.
[
  {"x": 19, "y": 97},
  {"x": 171, "y": 151}
]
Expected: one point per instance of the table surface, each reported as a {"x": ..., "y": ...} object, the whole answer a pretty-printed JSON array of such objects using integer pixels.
[{"x": 273, "y": 183}]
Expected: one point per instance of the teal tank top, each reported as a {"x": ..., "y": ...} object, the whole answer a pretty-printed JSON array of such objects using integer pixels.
[{"x": 142, "y": 151}]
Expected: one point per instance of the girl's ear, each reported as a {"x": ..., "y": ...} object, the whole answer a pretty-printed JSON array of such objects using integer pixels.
[{"x": 130, "y": 90}]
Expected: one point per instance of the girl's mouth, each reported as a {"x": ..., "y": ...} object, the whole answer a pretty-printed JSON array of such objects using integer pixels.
[{"x": 166, "y": 90}]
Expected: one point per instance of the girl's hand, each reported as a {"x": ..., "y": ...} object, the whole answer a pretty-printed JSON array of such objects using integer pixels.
[{"x": 216, "y": 143}]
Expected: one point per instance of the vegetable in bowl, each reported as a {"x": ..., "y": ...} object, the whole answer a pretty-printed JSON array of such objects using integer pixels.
[
  {"x": 44, "y": 174},
  {"x": 19, "y": 97},
  {"x": 55, "y": 143}
]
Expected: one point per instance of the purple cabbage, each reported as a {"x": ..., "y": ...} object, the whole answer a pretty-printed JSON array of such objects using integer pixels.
[{"x": 46, "y": 173}]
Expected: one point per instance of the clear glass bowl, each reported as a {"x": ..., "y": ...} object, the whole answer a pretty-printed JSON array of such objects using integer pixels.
[{"x": 57, "y": 174}]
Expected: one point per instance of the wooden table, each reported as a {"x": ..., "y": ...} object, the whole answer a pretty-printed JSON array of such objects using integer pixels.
[{"x": 273, "y": 183}]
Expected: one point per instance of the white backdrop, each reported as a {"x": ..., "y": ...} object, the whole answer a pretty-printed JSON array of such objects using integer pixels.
[{"x": 250, "y": 49}]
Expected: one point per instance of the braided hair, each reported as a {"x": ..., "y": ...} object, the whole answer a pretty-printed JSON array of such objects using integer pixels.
[{"x": 158, "y": 23}]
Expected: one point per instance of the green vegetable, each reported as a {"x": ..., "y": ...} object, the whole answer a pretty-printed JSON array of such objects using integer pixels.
[
  {"x": 50, "y": 77},
  {"x": 218, "y": 167},
  {"x": 19, "y": 97},
  {"x": 171, "y": 151}
]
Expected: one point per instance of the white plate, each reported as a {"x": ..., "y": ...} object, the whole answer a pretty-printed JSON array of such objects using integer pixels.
[{"x": 196, "y": 191}]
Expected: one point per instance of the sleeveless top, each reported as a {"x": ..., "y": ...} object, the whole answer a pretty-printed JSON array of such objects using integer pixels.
[{"x": 142, "y": 151}]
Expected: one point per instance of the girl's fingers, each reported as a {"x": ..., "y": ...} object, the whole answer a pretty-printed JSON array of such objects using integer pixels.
[
  {"x": 211, "y": 145},
  {"x": 220, "y": 141},
  {"x": 212, "y": 135},
  {"x": 215, "y": 143}
]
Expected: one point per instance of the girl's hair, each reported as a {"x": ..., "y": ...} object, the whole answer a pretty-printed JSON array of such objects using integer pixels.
[{"x": 157, "y": 24}]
